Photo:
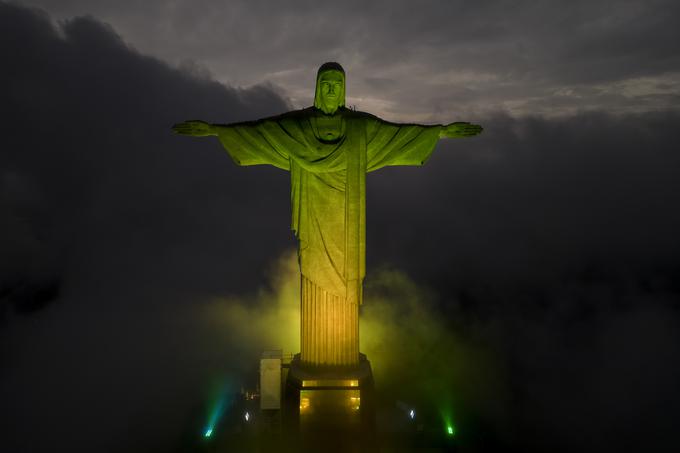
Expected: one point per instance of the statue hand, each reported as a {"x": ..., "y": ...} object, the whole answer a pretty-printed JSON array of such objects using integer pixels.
[
  {"x": 195, "y": 128},
  {"x": 459, "y": 130}
]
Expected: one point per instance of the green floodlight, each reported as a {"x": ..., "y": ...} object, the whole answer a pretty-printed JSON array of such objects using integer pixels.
[
  {"x": 450, "y": 431},
  {"x": 208, "y": 432}
]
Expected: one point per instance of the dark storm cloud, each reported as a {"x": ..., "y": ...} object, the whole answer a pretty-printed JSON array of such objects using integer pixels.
[
  {"x": 590, "y": 187},
  {"x": 87, "y": 121},
  {"x": 556, "y": 241},
  {"x": 548, "y": 247},
  {"x": 103, "y": 213},
  {"x": 524, "y": 57}
]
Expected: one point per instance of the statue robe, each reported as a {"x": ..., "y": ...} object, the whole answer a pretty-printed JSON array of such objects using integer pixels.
[{"x": 328, "y": 192}]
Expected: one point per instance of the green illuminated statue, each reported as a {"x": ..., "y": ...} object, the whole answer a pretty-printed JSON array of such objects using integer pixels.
[{"x": 328, "y": 150}]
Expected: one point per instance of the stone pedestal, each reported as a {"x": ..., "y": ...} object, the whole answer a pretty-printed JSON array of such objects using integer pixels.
[{"x": 335, "y": 401}]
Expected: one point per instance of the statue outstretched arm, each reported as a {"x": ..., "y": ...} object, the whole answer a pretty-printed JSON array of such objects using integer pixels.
[
  {"x": 408, "y": 144},
  {"x": 195, "y": 128},
  {"x": 248, "y": 143},
  {"x": 460, "y": 130}
]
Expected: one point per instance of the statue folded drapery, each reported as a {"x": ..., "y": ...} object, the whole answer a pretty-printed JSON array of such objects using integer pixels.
[
  {"x": 328, "y": 198},
  {"x": 328, "y": 150}
]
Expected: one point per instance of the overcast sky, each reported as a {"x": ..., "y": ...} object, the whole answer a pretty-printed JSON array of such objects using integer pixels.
[
  {"x": 431, "y": 60},
  {"x": 541, "y": 260}
]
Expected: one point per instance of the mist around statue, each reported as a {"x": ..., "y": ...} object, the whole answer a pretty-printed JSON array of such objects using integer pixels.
[{"x": 422, "y": 363}]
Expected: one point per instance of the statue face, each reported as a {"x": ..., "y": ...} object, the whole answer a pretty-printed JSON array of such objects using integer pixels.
[{"x": 332, "y": 90}]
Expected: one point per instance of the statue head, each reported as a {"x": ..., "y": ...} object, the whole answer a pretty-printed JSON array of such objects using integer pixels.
[{"x": 330, "y": 88}]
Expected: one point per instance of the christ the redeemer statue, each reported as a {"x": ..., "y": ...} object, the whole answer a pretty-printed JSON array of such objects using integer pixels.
[{"x": 328, "y": 150}]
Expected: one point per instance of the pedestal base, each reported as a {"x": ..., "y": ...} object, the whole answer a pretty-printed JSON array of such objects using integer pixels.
[{"x": 323, "y": 403}]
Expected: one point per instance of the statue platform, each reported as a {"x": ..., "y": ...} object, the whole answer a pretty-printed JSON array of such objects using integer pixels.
[{"x": 329, "y": 399}]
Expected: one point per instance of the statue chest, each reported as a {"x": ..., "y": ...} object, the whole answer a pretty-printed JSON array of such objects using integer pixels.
[{"x": 329, "y": 128}]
